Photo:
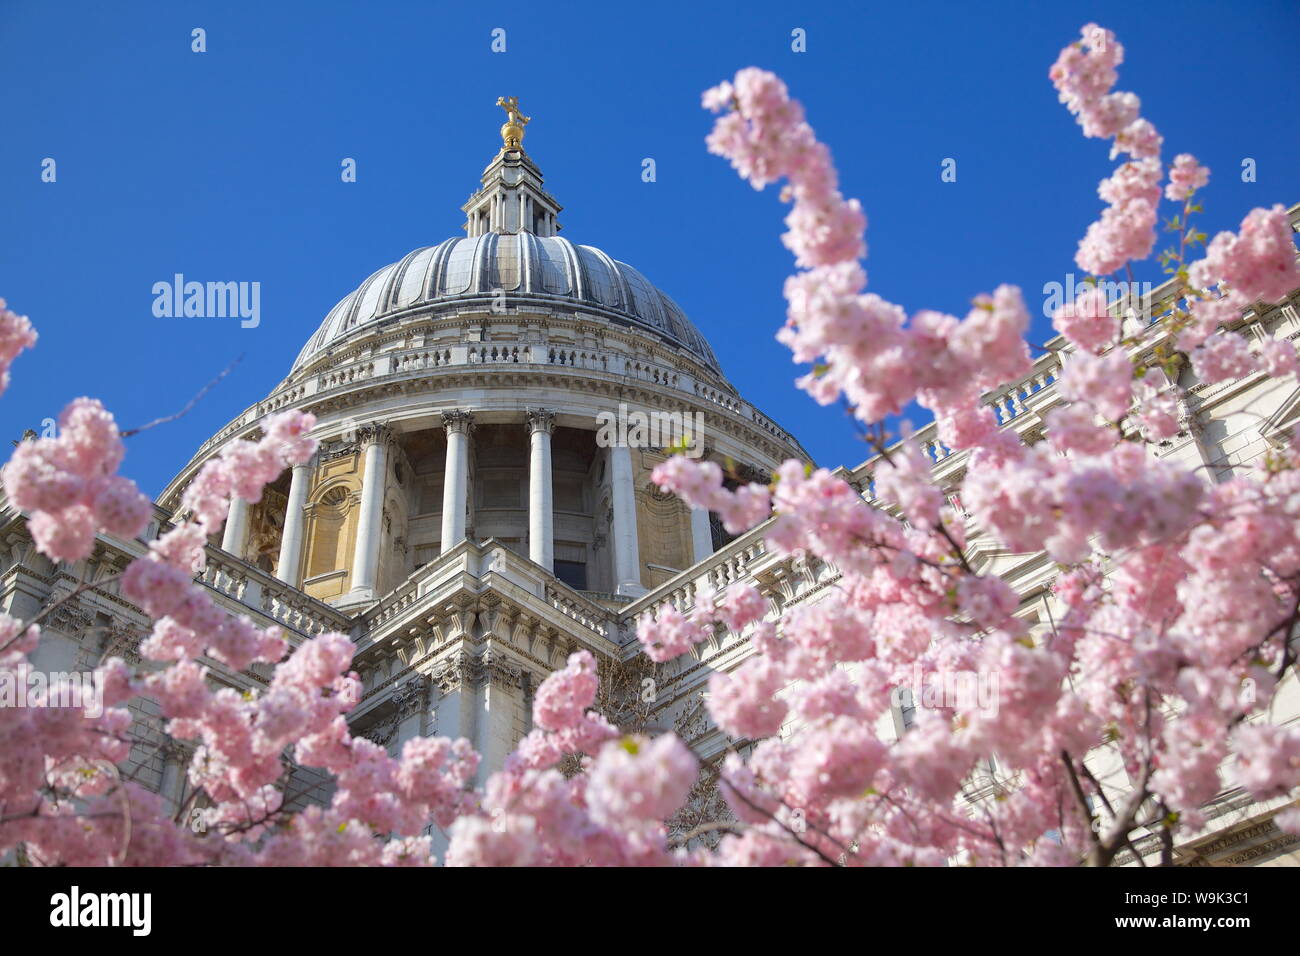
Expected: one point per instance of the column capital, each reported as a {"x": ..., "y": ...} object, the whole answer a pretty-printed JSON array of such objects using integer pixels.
[
  {"x": 539, "y": 420},
  {"x": 457, "y": 420},
  {"x": 374, "y": 433}
]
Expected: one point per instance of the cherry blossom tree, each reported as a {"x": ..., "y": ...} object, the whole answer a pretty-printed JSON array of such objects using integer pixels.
[{"x": 1180, "y": 596}]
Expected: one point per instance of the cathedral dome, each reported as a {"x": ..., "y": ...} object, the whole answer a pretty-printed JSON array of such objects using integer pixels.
[
  {"x": 522, "y": 269},
  {"x": 465, "y": 394}
]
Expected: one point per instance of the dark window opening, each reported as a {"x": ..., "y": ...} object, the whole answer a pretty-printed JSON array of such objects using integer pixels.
[
  {"x": 572, "y": 573},
  {"x": 720, "y": 535}
]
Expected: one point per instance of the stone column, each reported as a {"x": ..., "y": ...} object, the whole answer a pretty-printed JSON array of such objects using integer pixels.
[
  {"x": 541, "y": 501},
  {"x": 232, "y": 539},
  {"x": 627, "y": 550},
  {"x": 287, "y": 568},
  {"x": 365, "y": 558},
  {"x": 701, "y": 534},
  {"x": 455, "y": 481}
]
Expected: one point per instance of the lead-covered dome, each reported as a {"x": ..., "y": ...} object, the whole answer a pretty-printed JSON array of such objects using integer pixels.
[{"x": 546, "y": 270}]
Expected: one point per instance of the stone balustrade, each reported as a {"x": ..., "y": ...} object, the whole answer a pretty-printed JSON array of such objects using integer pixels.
[
  {"x": 574, "y": 606},
  {"x": 736, "y": 561},
  {"x": 266, "y": 595}
]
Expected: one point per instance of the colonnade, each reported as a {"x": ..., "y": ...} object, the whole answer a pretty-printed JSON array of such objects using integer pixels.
[{"x": 459, "y": 427}]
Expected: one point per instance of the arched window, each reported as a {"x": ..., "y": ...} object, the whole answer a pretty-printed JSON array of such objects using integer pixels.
[{"x": 327, "y": 535}]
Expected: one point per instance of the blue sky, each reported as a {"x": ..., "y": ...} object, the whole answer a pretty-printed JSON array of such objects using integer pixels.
[{"x": 225, "y": 165}]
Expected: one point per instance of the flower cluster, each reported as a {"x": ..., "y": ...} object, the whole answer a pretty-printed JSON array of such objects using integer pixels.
[
  {"x": 1084, "y": 74},
  {"x": 700, "y": 484},
  {"x": 611, "y": 814},
  {"x": 1168, "y": 639},
  {"x": 1258, "y": 262},
  {"x": 16, "y": 334},
  {"x": 1185, "y": 177},
  {"x": 70, "y": 486}
]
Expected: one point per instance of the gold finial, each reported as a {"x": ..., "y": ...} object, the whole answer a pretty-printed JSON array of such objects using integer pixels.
[{"x": 512, "y": 132}]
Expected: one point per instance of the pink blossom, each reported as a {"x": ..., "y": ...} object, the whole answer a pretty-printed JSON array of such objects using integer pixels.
[
  {"x": 507, "y": 840},
  {"x": 16, "y": 334},
  {"x": 966, "y": 425},
  {"x": 640, "y": 779},
  {"x": 1087, "y": 322},
  {"x": 1122, "y": 234},
  {"x": 744, "y": 702},
  {"x": 1185, "y": 177},
  {"x": 1288, "y": 821},
  {"x": 120, "y": 508},
  {"x": 1159, "y": 659},
  {"x": 1268, "y": 758},
  {"x": 1259, "y": 262},
  {"x": 1077, "y": 428},
  {"x": 990, "y": 343},
  {"x": 1105, "y": 382},
  {"x": 742, "y": 606},
  {"x": 1139, "y": 139},
  {"x": 906, "y": 481},
  {"x": 65, "y": 535},
  {"x": 564, "y": 696},
  {"x": 1157, "y": 412},
  {"x": 1221, "y": 357},
  {"x": 1279, "y": 357},
  {"x": 69, "y": 486},
  {"x": 1207, "y": 314},
  {"x": 700, "y": 485},
  {"x": 243, "y": 468},
  {"x": 1083, "y": 75},
  {"x": 669, "y": 634},
  {"x": 837, "y": 759}
]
